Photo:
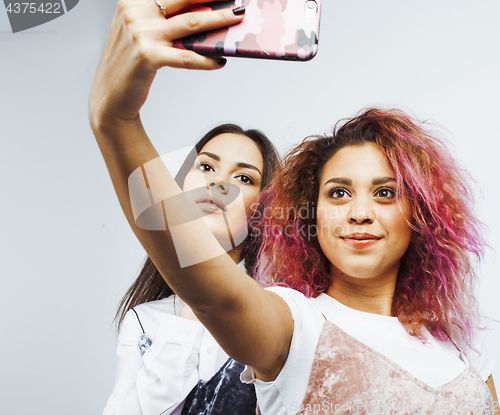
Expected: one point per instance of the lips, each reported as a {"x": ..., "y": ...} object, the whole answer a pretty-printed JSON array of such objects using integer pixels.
[
  {"x": 360, "y": 240},
  {"x": 211, "y": 205}
]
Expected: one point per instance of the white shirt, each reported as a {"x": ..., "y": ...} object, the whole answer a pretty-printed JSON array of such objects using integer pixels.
[
  {"x": 433, "y": 362},
  {"x": 182, "y": 352}
]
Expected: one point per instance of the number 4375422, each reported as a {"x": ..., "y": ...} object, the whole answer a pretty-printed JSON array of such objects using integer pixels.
[{"x": 33, "y": 8}]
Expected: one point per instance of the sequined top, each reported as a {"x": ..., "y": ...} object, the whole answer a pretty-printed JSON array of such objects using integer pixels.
[
  {"x": 356, "y": 342},
  {"x": 347, "y": 377}
]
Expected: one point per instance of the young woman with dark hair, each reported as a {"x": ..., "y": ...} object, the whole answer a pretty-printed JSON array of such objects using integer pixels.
[
  {"x": 185, "y": 369},
  {"x": 150, "y": 285}
]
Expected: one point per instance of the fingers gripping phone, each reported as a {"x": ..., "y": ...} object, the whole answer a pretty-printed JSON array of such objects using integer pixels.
[{"x": 271, "y": 29}]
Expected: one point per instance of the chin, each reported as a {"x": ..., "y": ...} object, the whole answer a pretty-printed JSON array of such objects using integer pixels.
[
  {"x": 360, "y": 274},
  {"x": 216, "y": 223},
  {"x": 227, "y": 241},
  {"x": 359, "y": 270}
]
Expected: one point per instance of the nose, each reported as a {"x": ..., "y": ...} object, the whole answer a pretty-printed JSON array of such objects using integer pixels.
[
  {"x": 219, "y": 185},
  {"x": 360, "y": 213}
]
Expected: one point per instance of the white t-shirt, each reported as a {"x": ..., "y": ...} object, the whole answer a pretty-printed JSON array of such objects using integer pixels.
[
  {"x": 158, "y": 382},
  {"x": 433, "y": 362}
]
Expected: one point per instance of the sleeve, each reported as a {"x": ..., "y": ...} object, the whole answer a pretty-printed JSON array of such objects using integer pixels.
[
  {"x": 158, "y": 381},
  {"x": 478, "y": 355},
  {"x": 281, "y": 395}
]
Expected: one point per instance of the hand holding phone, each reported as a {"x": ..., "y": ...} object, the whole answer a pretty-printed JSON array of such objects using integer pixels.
[
  {"x": 139, "y": 43},
  {"x": 271, "y": 29}
]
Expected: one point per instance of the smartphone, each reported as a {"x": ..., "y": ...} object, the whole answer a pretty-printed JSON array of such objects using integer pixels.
[{"x": 271, "y": 29}]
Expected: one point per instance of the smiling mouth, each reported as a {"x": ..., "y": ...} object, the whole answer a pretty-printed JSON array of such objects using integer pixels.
[
  {"x": 360, "y": 240},
  {"x": 211, "y": 205}
]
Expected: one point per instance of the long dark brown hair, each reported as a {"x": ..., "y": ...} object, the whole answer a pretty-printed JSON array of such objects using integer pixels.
[{"x": 150, "y": 285}]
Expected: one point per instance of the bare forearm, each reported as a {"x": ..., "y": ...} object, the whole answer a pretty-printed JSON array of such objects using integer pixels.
[{"x": 126, "y": 148}]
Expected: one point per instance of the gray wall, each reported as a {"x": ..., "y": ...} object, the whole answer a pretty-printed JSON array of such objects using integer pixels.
[{"x": 67, "y": 253}]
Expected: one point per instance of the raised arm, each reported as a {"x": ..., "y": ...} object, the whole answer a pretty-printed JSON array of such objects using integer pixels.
[{"x": 229, "y": 303}]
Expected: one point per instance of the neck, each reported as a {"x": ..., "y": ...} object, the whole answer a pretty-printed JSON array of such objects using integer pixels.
[{"x": 373, "y": 295}]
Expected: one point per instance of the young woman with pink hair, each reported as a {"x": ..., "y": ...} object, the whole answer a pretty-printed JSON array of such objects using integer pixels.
[{"x": 369, "y": 232}]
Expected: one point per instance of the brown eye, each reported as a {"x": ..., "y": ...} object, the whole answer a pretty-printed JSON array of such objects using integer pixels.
[
  {"x": 245, "y": 179},
  {"x": 205, "y": 167},
  {"x": 386, "y": 193},
  {"x": 338, "y": 193}
]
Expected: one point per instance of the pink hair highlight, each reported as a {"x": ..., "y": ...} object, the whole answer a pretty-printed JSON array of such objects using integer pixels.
[{"x": 436, "y": 277}]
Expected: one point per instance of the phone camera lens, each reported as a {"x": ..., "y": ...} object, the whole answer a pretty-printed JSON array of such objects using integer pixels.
[{"x": 311, "y": 9}]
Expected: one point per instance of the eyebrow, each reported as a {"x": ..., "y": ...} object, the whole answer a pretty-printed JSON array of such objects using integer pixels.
[
  {"x": 348, "y": 182},
  {"x": 242, "y": 165},
  {"x": 340, "y": 180},
  {"x": 383, "y": 180}
]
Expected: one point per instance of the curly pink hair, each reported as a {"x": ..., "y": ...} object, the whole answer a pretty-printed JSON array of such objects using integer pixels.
[{"x": 436, "y": 277}]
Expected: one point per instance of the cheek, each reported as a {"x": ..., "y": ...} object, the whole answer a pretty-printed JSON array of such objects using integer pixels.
[
  {"x": 249, "y": 197},
  {"x": 329, "y": 220},
  {"x": 406, "y": 233},
  {"x": 194, "y": 179},
  {"x": 397, "y": 224},
  {"x": 404, "y": 218},
  {"x": 321, "y": 219}
]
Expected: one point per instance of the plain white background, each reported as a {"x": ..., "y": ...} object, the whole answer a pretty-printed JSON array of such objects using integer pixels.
[{"x": 67, "y": 254}]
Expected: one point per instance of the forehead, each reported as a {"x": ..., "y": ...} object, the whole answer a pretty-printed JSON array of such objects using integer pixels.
[
  {"x": 235, "y": 148},
  {"x": 363, "y": 162}
]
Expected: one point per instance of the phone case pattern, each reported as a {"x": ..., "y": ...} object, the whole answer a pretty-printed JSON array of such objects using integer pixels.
[{"x": 271, "y": 29}]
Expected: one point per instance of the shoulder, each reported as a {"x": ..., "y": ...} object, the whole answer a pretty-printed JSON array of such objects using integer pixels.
[
  {"x": 304, "y": 313},
  {"x": 293, "y": 297},
  {"x": 165, "y": 305},
  {"x": 147, "y": 317},
  {"x": 290, "y": 295},
  {"x": 478, "y": 354},
  {"x": 152, "y": 311},
  {"x": 308, "y": 322}
]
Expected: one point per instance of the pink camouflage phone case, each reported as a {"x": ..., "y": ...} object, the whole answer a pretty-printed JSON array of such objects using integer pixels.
[{"x": 271, "y": 29}]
